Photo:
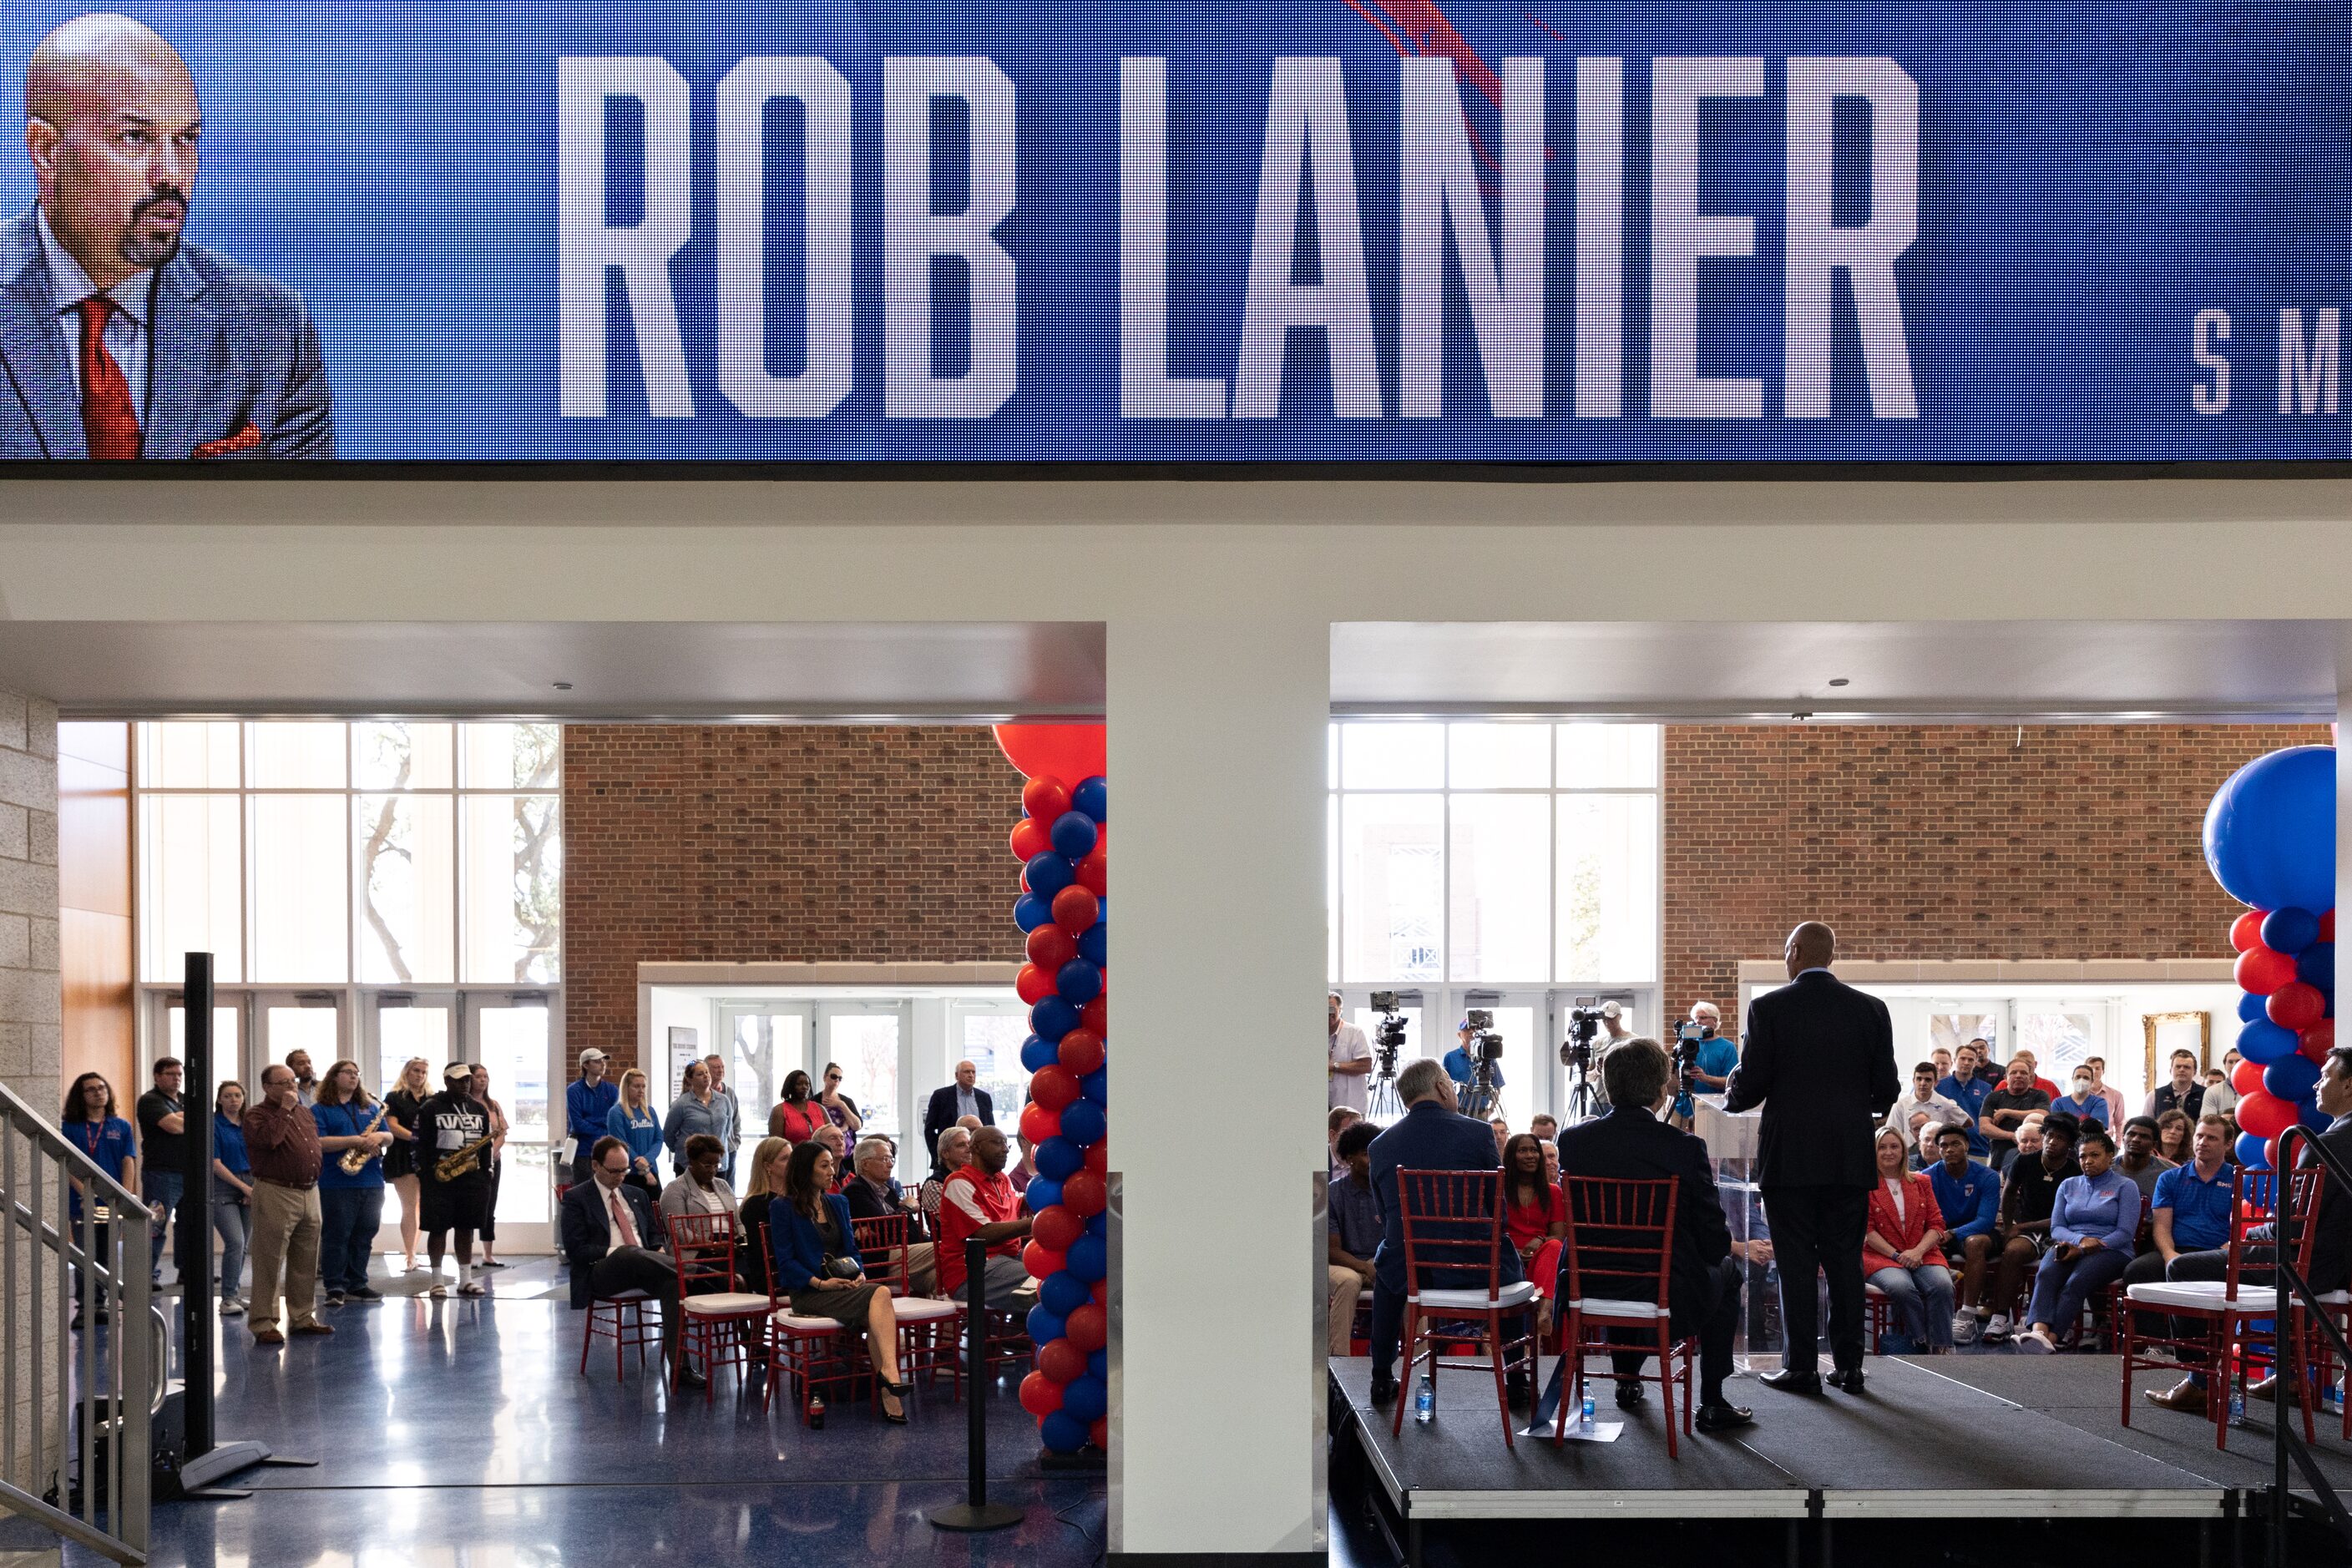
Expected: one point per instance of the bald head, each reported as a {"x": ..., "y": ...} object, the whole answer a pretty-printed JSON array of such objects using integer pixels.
[
  {"x": 112, "y": 122},
  {"x": 1811, "y": 945}
]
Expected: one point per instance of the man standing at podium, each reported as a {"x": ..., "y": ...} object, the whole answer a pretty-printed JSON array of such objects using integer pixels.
[{"x": 1819, "y": 1056}]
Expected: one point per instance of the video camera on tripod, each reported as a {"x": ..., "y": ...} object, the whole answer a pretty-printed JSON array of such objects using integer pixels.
[
  {"x": 1382, "y": 1104},
  {"x": 1484, "y": 1048},
  {"x": 1576, "y": 1053},
  {"x": 1688, "y": 1035}
]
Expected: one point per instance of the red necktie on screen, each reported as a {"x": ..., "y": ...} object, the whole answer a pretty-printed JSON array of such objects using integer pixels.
[
  {"x": 109, "y": 421},
  {"x": 621, "y": 1226}
]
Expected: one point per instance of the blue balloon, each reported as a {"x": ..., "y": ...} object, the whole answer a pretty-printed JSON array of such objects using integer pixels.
[
  {"x": 2290, "y": 930},
  {"x": 1062, "y": 1292},
  {"x": 1052, "y": 1018},
  {"x": 1089, "y": 1258},
  {"x": 2314, "y": 965},
  {"x": 1057, "y": 1159},
  {"x": 2270, "y": 832},
  {"x": 1031, "y": 911},
  {"x": 1042, "y": 1194},
  {"x": 1102, "y": 909},
  {"x": 1078, "y": 981},
  {"x": 1037, "y": 1052},
  {"x": 1083, "y": 1123},
  {"x": 2251, "y": 1007},
  {"x": 2254, "y": 1153},
  {"x": 1049, "y": 873},
  {"x": 1086, "y": 1398},
  {"x": 2310, "y": 1116},
  {"x": 1062, "y": 1431},
  {"x": 1099, "y": 1364},
  {"x": 1073, "y": 834},
  {"x": 1044, "y": 1326},
  {"x": 2265, "y": 1042},
  {"x": 1096, "y": 1086},
  {"x": 1094, "y": 945},
  {"x": 1098, "y": 1225},
  {"x": 2289, "y": 1077},
  {"x": 1093, "y": 797}
]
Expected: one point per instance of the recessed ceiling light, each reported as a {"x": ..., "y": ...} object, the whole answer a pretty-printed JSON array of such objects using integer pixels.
[
  {"x": 1840, "y": 680},
  {"x": 566, "y": 685}
]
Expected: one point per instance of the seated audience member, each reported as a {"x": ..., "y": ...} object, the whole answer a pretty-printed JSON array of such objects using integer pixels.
[
  {"x": 978, "y": 1200},
  {"x": 2173, "y": 1133},
  {"x": 2219, "y": 1094},
  {"x": 2185, "y": 1093},
  {"x": 954, "y": 1150},
  {"x": 610, "y": 1235},
  {"x": 702, "y": 1190},
  {"x": 1431, "y": 1135},
  {"x": 2008, "y": 1106},
  {"x": 1968, "y": 1194},
  {"x": 2139, "y": 1160},
  {"x": 1966, "y": 1090},
  {"x": 2331, "y": 1246},
  {"x": 819, "y": 1267},
  {"x": 1545, "y": 1128},
  {"x": 2045, "y": 1157},
  {"x": 1351, "y": 1233},
  {"x": 1917, "y": 1115},
  {"x": 1901, "y": 1247},
  {"x": 1502, "y": 1130},
  {"x": 2033, "y": 1067},
  {"x": 1552, "y": 1162},
  {"x": 2114, "y": 1097},
  {"x": 2083, "y": 1101},
  {"x": 1532, "y": 1214},
  {"x": 1342, "y": 1118},
  {"x": 1633, "y": 1143},
  {"x": 766, "y": 1184},
  {"x": 2190, "y": 1209},
  {"x": 874, "y": 1194},
  {"x": 2092, "y": 1226}
]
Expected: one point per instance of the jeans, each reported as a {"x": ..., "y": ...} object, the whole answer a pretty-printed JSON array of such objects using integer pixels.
[
  {"x": 1922, "y": 1299},
  {"x": 348, "y": 1219},
  {"x": 2060, "y": 1286},
  {"x": 234, "y": 1223},
  {"x": 161, "y": 1187}
]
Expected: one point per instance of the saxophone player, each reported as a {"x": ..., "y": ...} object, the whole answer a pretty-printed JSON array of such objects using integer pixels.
[
  {"x": 454, "y": 1171},
  {"x": 353, "y": 1139}
]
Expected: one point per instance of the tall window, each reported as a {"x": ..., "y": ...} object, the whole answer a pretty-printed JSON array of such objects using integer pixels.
[
  {"x": 328, "y": 853},
  {"x": 1516, "y": 853}
]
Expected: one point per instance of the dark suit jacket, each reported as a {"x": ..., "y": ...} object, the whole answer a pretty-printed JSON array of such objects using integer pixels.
[
  {"x": 228, "y": 349},
  {"x": 582, "y": 1228},
  {"x": 1427, "y": 1138},
  {"x": 1631, "y": 1144},
  {"x": 2331, "y": 1249},
  {"x": 941, "y": 1115},
  {"x": 1819, "y": 1056}
]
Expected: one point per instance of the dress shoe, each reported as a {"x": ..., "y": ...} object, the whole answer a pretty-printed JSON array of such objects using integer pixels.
[
  {"x": 2264, "y": 1389},
  {"x": 1846, "y": 1381},
  {"x": 1519, "y": 1391},
  {"x": 1722, "y": 1417},
  {"x": 1789, "y": 1381},
  {"x": 268, "y": 1337},
  {"x": 1384, "y": 1389},
  {"x": 689, "y": 1378},
  {"x": 2187, "y": 1397},
  {"x": 1631, "y": 1394},
  {"x": 313, "y": 1331}
]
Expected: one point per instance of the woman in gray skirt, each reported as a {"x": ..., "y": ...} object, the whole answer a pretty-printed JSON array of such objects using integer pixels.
[{"x": 818, "y": 1266}]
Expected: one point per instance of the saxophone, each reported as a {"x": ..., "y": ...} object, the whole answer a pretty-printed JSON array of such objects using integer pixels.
[
  {"x": 355, "y": 1158},
  {"x": 461, "y": 1162}
]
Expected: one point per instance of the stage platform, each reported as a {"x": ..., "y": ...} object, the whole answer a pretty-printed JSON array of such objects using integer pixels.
[{"x": 1958, "y": 1437}]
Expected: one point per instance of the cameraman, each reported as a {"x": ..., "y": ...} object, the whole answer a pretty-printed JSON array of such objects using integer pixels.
[
  {"x": 1462, "y": 1062},
  {"x": 1716, "y": 1055},
  {"x": 1351, "y": 1061}
]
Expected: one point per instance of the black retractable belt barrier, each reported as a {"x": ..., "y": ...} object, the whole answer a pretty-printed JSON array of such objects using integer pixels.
[{"x": 976, "y": 1512}]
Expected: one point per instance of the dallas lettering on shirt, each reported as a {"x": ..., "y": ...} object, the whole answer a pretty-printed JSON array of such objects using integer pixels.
[{"x": 1444, "y": 168}]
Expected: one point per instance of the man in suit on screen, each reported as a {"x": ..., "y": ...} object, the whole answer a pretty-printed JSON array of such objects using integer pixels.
[
  {"x": 1819, "y": 1056},
  {"x": 117, "y": 340}
]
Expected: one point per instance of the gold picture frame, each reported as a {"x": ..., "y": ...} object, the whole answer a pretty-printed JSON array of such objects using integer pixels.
[{"x": 2168, "y": 1031}]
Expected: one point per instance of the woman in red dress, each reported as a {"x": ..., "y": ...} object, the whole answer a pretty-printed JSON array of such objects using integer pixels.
[{"x": 1536, "y": 1218}]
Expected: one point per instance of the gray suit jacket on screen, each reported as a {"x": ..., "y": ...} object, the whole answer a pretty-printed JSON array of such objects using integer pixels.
[{"x": 230, "y": 352}]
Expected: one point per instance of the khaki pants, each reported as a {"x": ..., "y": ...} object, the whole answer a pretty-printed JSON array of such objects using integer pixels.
[
  {"x": 922, "y": 1268},
  {"x": 1347, "y": 1287},
  {"x": 285, "y": 1235}
]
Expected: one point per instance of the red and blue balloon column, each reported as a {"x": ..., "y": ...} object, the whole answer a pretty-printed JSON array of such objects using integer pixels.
[
  {"x": 2270, "y": 841},
  {"x": 1062, "y": 844}
]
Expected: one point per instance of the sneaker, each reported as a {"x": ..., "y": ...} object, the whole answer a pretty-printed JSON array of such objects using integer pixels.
[
  {"x": 334, "y": 1297},
  {"x": 1997, "y": 1330},
  {"x": 2033, "y": 1342},
  {"x": 1966, "y": 1327},
  {"x": 231, "y": 1307},
  {"x": 366, "y": 1294}
]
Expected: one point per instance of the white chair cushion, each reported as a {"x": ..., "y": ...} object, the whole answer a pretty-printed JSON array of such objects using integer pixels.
[
  {"x": 726, "y": 1302},
  {"x": 1517, "y": 1294},
  {"x": 922, "y": 1309},
  {"x": 1870, "y": 1290},
  {"x": 1603, "y": 1307},
  {"x": 2201, "y": 1295},
  {"x": 800, "y": 1325},
  {"x": 2336, "y": 1298}
]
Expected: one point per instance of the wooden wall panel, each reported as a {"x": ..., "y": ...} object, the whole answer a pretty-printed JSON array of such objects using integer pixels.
[{"x": 94, "y": 927}]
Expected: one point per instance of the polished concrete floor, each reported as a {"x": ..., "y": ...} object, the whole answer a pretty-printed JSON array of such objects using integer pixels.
[{"x": 461, "y": 1432}]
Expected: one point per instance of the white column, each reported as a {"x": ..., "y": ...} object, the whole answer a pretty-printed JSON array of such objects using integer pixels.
[{"x": 1216, "y": 1106}]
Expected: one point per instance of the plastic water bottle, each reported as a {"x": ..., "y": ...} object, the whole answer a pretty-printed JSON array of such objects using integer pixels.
[
  {"x": 1425, "y": 1403},
  {"x": 2237, "y": 1405},
  {"x": 1584, "y": 1418}
]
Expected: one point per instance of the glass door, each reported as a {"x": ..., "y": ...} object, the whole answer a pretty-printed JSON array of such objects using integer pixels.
[
  {"x": 870, "y": 1042},
  {"x": 228, "y": 1045},
  {"x": 1523, "y": 1019},
  {"x": 411, "y": 1026},
  {"x": 763, "y": 1041},
  {"x": 511, "y": 1035},
  {"x": 310, "y": 1022},
  {"x": 989, "y": 1036}
]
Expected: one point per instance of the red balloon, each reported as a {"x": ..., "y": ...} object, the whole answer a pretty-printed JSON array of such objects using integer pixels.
[
  {"x": 2295, "y": 1006},
  {"x": 2246, "y": 1078},
  {"x": 1040, "y": 1394},
  {"x": 1073, "y": 911},
  {"x": 1102, "y": 1292},
  {"x": 1037, "y": 1123},
  {"x": 1030, "y": 838},
  {"x": 1034, "y": 985},
  {"x": 1073, "y": 752},
  {"x": 1042, "y": 1262},
  {"x": 1094, "y": 1017},
  {"x": 1054, "y": 1087},
  {"x": 1081, "y": 1052},
  {"x": 2260, "y": 970},
  {"x": 2246, "y": 932},
  {"x": 1045, "y": 798},
  {"x": 1084, "y": 1193},
  {"x": 1050, "y": 947},
  {"x": 1093, "y": 870},
  {"x": 2328, "y": 926},
  {"x": 2269, "y": 1151},
  {"x": 1057, "y": 1228},
  {"x": 1061, "y": 1361},
  {"x": 2264, "y": 1115},
  {"x": 1099, "y": 1157},
  {"x": 1099, "y": 1433},
  {"x": 1088, "y": 1328},
  {"x": 2319, "y": 1040}
]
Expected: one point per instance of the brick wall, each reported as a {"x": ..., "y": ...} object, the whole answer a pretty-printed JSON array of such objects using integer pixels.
[
  {"x": 2075, "y": 841},
  {"x": 808, "y": 844}
]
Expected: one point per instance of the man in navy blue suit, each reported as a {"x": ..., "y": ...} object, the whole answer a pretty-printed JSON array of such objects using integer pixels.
[
  {"x": 1633, "y": 1143},
  {"x": 1432, "y": 1136}
]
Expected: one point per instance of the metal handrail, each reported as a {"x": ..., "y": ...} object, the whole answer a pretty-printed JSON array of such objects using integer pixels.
[
  {"x": 2294, "y": 1295},
  {"x": 81, "y": 1469}
]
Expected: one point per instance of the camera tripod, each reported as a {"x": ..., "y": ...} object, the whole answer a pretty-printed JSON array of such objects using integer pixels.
[
  {"x": 1582, "y": 1104},
  {"x": 1480, "y": 1098},
  {"x": 1382, "y": 1103}
]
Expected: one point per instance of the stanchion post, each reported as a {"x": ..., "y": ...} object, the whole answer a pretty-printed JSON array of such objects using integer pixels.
[{"x": 976, "y": 1512}]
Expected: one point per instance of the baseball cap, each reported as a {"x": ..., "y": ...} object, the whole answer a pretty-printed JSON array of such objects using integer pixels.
[
  {"x": 592, "y": 1055},
  {"x": 1611, "y": 1010}
]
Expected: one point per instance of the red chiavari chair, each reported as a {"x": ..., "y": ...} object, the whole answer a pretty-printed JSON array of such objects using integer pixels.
[
  {"x": 1455, "y": 1243},
  {"x": 1620, "y": 1253}
]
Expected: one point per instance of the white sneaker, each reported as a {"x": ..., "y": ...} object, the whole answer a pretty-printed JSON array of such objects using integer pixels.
[
  {"x": 1966, "y": 1327},
  {"x": 231, "y": 1307},
  {"x": 2033, "y": 1342},
  {"x": 1998, "y": 1330}
]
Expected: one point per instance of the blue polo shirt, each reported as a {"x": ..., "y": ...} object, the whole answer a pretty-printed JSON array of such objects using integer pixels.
[
  {"x": 1970, "y": 1096},
  {"x": 228, "y": 1148},
  {"x": 1970, "y": 1202},
  {"x": 108, "y": 1144},
  {"x": 345, "y": 1121},
  {"x": 1462, "y": 1069},
  {"x": 1718, "y": 1057},
  {"x": 2201, "y": 1210},
  {"x": 1355, "y": 1217}
]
